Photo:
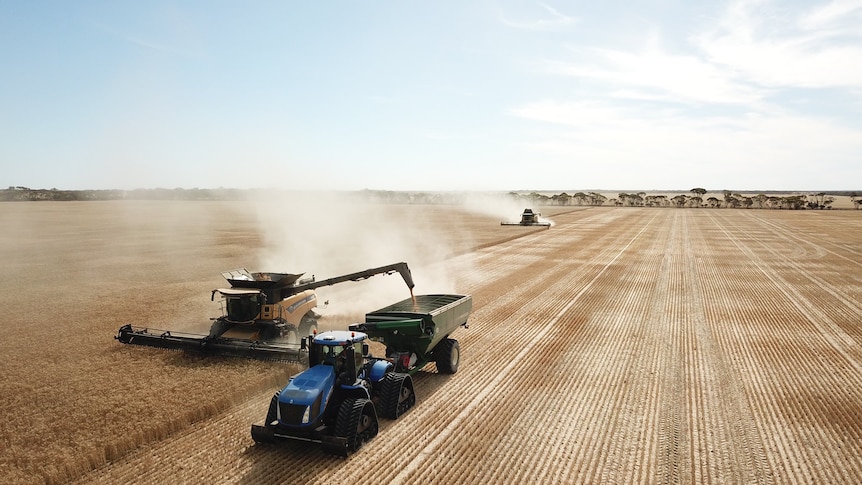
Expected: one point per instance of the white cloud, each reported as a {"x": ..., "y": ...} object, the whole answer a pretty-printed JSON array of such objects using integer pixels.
[
  {"x": 730, "y": 105},
  {"x": 776, "y": 48},
  {"x": 755, "y": 49},
  {"x": 761, "y": 148},
  {"x": 552, "y": 20},
  {"x": 654, "y": 74},
  {"x": 837, "y": 16}
]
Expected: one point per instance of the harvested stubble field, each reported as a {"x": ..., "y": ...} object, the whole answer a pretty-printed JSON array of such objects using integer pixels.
[{"x": 623, "y": 345}]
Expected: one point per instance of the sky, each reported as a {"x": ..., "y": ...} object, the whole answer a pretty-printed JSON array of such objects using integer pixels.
[{"x": 450, "y": 95}]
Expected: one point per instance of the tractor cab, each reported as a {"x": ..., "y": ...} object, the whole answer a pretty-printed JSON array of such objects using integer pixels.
[{"x": 336, "y": 348}]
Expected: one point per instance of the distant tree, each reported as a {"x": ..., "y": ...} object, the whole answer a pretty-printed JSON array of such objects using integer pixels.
[
  {"x": 699, "y": 193},
  {"x": 632, "y": 200},
  {"x": 538, "y": 198},
  {"x": 661, "y": 200},
  {"x": 713, "y": 202},
  {"x": 679, "y": 200},
  {"x": 731, "y": 200},
  {"x": 819, "y": 197},
  {"x": 792, "y": 202},
  {"x": 651, "y": 201},
  {"x": 820, "y": 201},
  {"x": 562, "y": 199},
  {"x": 596, "y": 198}
]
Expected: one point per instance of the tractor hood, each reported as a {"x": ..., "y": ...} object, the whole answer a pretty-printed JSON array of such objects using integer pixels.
[{"x": 309, "y": 388}]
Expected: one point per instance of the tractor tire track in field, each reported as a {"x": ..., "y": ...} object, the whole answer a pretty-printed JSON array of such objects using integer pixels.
[
  {"x": 817, "y": 287},
  {"x": 412, "y": 470},
  {"x": 725, "y": 435},
  {"x": 806, "y": 381},
  {"x": 504, "y": 332},
  {"x": 623, "y": 345}
]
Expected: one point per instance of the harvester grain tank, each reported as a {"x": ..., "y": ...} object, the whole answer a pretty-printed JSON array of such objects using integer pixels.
[
  {"x": 265, "y": 315},
  {"x": 337, "y": 400},
  {"x": 528, "y": 218}
]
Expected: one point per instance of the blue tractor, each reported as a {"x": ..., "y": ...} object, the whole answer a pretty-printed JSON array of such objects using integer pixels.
[{"x": 336, "y": 401}]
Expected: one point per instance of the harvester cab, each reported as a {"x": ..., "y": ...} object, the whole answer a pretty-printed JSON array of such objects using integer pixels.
[
  {"x": 264, "y": 306},
  {"x": 240, "y": 306}
]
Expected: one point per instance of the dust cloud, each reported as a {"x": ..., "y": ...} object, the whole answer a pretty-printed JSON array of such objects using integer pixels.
[
  {"x": 502, "y": 206},
  {"x": 328, "y": 234}
]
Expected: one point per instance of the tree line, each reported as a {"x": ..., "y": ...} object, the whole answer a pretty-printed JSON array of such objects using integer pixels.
[
  {"x": 730, "y": 199},
  {"x": 20, "y": 193}
]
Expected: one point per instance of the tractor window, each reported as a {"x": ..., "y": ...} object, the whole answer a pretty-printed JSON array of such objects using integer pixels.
[
  {"x": 359, "y": 359},
  {"x": 331, "y": 355}
]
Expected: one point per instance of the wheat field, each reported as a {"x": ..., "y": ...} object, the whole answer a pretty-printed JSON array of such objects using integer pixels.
[{"x": 622, "y": 345}]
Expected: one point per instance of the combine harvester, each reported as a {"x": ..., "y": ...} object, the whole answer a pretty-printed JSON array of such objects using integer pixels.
[
  {"x": 528, "y": 218},
  {"x": 337, "y": 400},
  {"x": 265, "y": 316}
]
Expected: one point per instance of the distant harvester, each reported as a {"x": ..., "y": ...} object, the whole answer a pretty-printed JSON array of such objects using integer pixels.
[{"x": 528, "y": 218}]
